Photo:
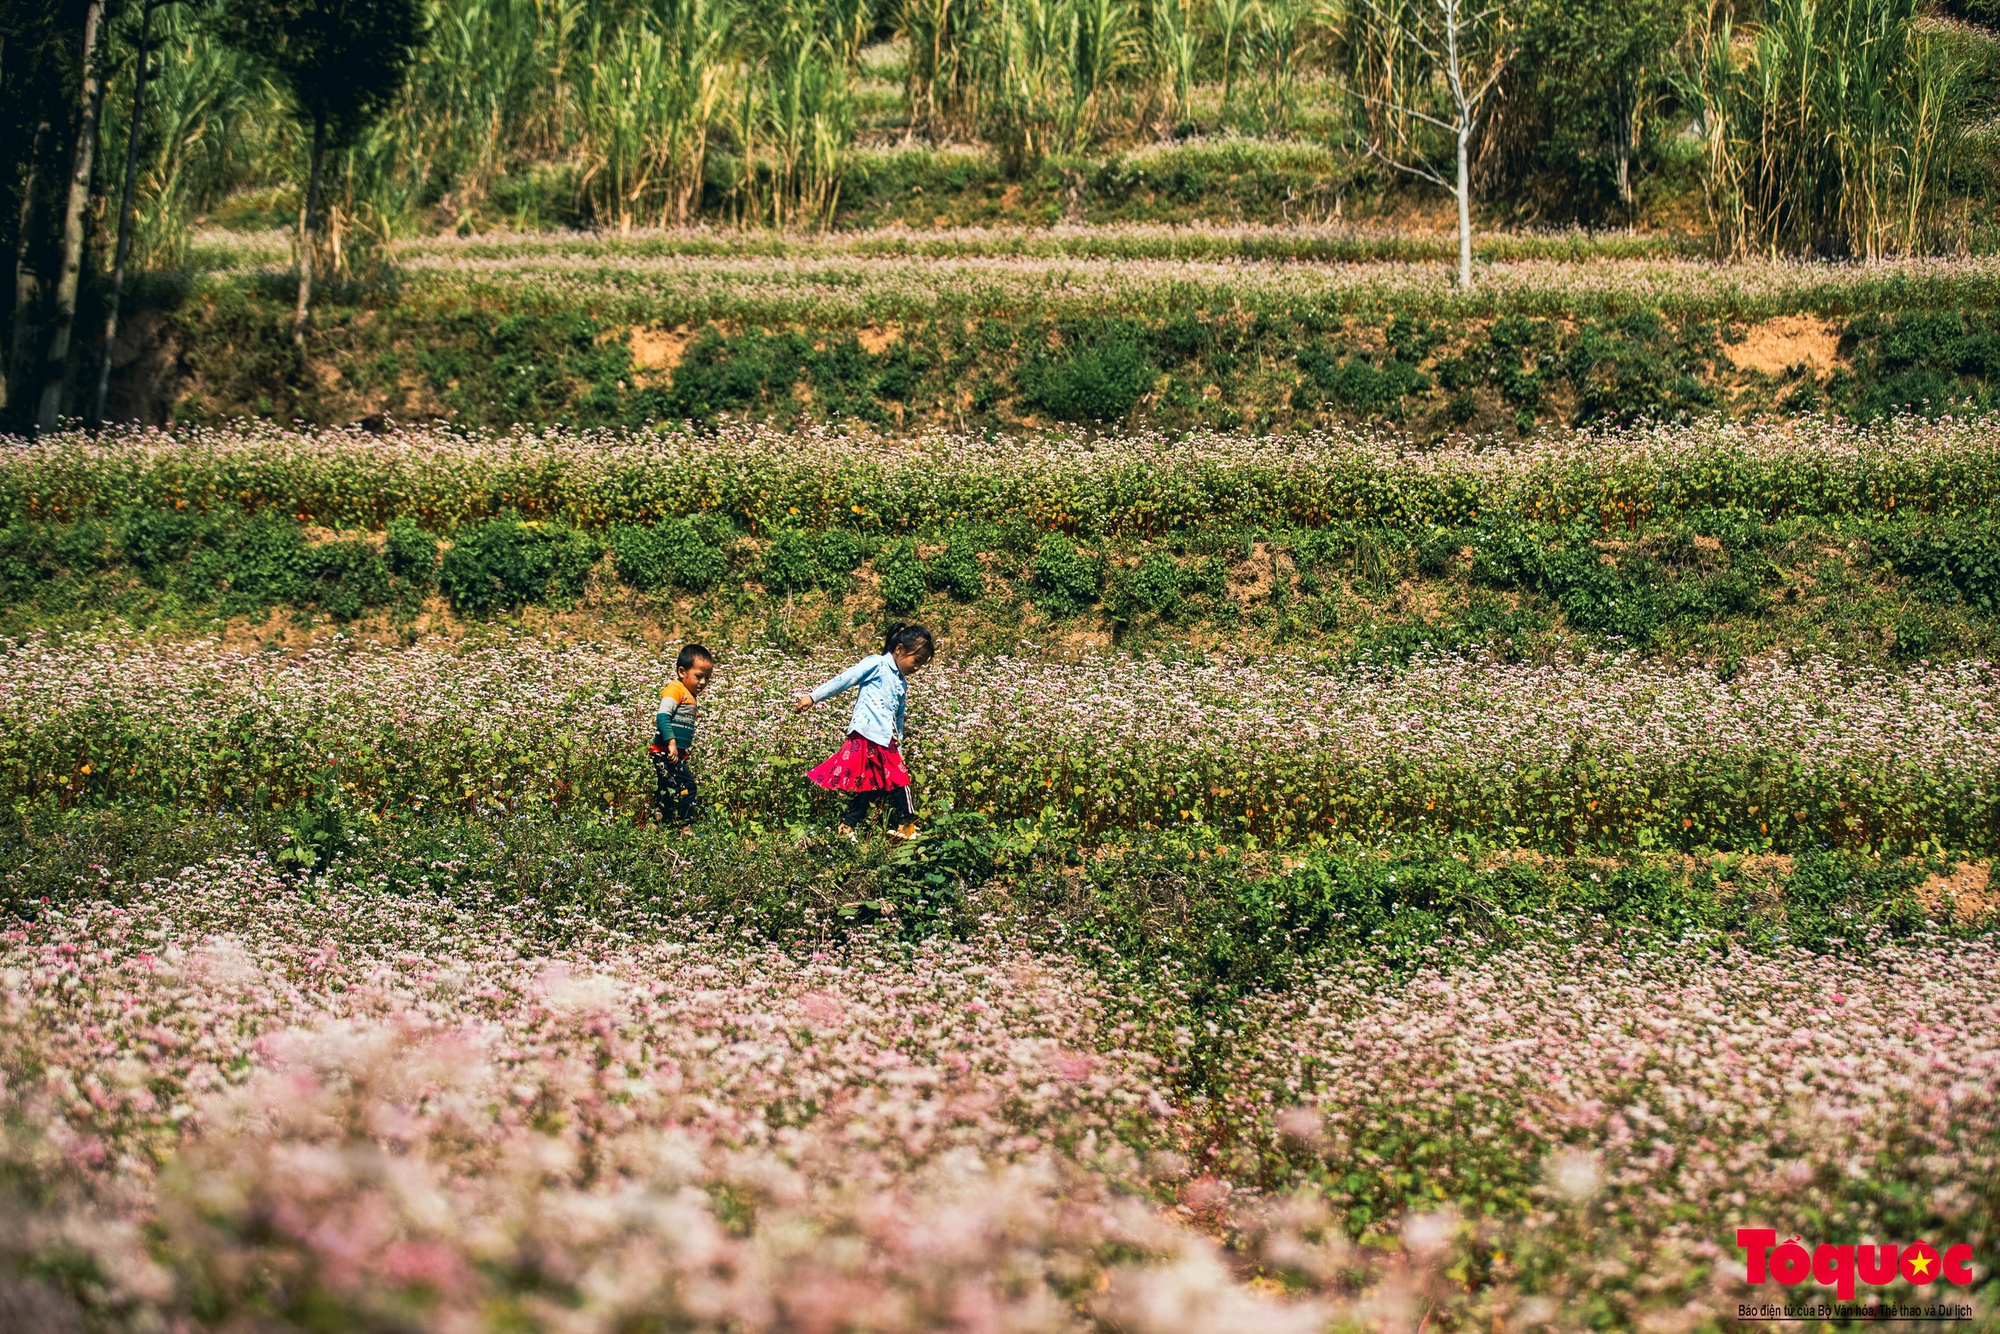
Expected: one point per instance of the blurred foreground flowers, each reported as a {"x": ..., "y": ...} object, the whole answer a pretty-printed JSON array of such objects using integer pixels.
[{"x": 233, "y": 1102}]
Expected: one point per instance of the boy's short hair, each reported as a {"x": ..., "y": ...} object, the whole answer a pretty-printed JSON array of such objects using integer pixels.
[{"x": 690, "y": 655}]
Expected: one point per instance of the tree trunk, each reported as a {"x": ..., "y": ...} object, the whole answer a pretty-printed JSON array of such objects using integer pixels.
[
  {"x": 1463, "y": 107},
  {"x": 79, "y": 196},
  {"x": 1622, "y": 116},
  {"x": 124, "y": 214},
  {"x": 1228, "y": 70},
  {"x": 308, "y": 220},
  {"x": 27, "y": 285},
  {"x": 1464, "y": 193}
]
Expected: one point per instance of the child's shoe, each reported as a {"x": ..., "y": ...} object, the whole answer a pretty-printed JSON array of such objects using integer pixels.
[
  {"x": 846, "y": 831},
  {"x": 904, "y": 833}
]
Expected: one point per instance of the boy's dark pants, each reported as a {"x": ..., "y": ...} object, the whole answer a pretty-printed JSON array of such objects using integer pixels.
[
  {"x": 675, "y": 795},
  {"x": 902, "y": 810}
]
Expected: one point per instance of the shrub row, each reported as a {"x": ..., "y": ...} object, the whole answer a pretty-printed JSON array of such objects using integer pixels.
[{"x": 1711, "y": 568}]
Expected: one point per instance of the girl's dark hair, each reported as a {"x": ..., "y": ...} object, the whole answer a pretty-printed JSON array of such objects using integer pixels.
[{"x": 909, "y": 637}]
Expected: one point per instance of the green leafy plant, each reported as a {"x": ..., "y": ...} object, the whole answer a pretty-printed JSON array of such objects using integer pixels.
[
  {"x": 957, "y": 571},
  {"x": 1096, "y": 382},
  {"x": 342, "y": 62},
  {"x": 899, "y": 578},
  {"x": 504, "y": 564},
  {"x": 667, "y": 555},
  {"x": 1065, "y": 581},
  {"x": 791, "y": 562},
  {"x": 1152, "y": 586},
  {"x": 1957, "y": 555},
  {"x": 412, "y": 552}
]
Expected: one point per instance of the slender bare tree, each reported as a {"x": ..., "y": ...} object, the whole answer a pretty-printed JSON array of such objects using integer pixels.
[
  {"x": 343, "y": 62},
  {"x": 1466, "y": 51},
  {"x": 143, "y": 54},
  {"x": 89, "y": 97}
]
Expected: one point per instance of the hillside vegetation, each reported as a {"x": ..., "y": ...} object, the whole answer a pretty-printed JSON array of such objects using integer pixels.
[
  {"x": 1460, "y": 768},
  {"x": 874, "y": 242}
]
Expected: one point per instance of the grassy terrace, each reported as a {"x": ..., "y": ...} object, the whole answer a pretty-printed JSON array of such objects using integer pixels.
[
  {"x": 1711, "y": 541},
  {"x": 1011, "y": 330}
]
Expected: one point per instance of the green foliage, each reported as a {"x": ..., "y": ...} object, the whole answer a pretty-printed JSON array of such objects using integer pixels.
[
  {"x": 1923, "y": 362},
  {"x": 789, "y": 357},
  {"x": 648, "y": 97},
  {"x": 342, "y": 578},
  {"x": 805, "y": 114},
  {"x": 1836, "y": 897},
  {"x": 1597, "y": 541},
  {"x": 224, "y": 562},
  {"x": 719, "y": 374},
  {"x": 1581, "y": 129},
  {"x": 572, "y": 556},
  {"x": 1957, "y": 557},
  {"x": 797, "y": 560},
  {"x": 412, "y": 552},
  {"x": 667, "y": 555},
  {"x": 504, "y": 564},
  {"x": 1631, "y": 592},
  {"x": 724, "y": 373},
  {"x": 247, "y": 566},
  {"x": 1356, "y": 382},
  {"x": 926, "y": 880},
  {"x": 1065, "y": 580},
  {"x": 839, "y": 552},
  {"x": 1096, "y": 381},
  {"x": 1221, "y": 923},
  {"x": 1832, "y": 131},
  {"x": 899, "y": 578},
  {"x": 1635, "y": 367},
  {"x": 1224, "y": 928},
  {"x": 1916, "y": 637},
  {"x": 956, "y": 570},
  {"x": 342, "y": 61},
  {"x": 35, "y": 556},
  {"x": 1153, "y": 587},
  {"x": 636, "y": 115},
  {"x": 1485, "y": 626},
  {"x": 791, "y": 562}
]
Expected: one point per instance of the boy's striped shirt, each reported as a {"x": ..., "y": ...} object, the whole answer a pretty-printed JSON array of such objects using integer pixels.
[{"x": 675, "y": 720}]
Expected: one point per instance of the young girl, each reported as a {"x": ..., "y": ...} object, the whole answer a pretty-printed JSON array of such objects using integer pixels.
[{"x": 869, "y": 768}]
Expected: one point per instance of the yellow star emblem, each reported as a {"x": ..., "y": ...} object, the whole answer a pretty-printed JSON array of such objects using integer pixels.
[{"x": 1920, "y": 1265}]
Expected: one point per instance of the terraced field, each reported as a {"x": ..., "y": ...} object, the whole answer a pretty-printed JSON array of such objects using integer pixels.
[
  {"x": 1438, "y": 808},
  {"x": 1012, "y": 330}
]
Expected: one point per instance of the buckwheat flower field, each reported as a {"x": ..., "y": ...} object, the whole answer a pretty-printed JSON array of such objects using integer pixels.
[
  {"x": 1062, "y": 479},
  {"x": 1000, "y": 667},
  {"x": 1605, "y": 753},
  {"x": 350, "y": 981},
  {"x": 839, "y": 286},
  {"x": 248, "y": 1100}
]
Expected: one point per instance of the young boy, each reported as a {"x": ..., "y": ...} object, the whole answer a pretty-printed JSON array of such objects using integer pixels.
[{"x": 673, "y": 734}]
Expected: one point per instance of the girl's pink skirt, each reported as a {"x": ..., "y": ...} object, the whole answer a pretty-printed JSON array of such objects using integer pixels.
[{"x": 861, "y": 766}]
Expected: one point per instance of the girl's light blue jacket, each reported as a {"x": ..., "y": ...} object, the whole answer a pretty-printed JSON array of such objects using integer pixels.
[{"x": 878, "y": 705}]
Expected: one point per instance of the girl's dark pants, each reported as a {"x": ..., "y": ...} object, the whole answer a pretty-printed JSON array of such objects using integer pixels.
[
  {"x": 675, "y": 795},
  {"x": 902, "y": 810}
]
